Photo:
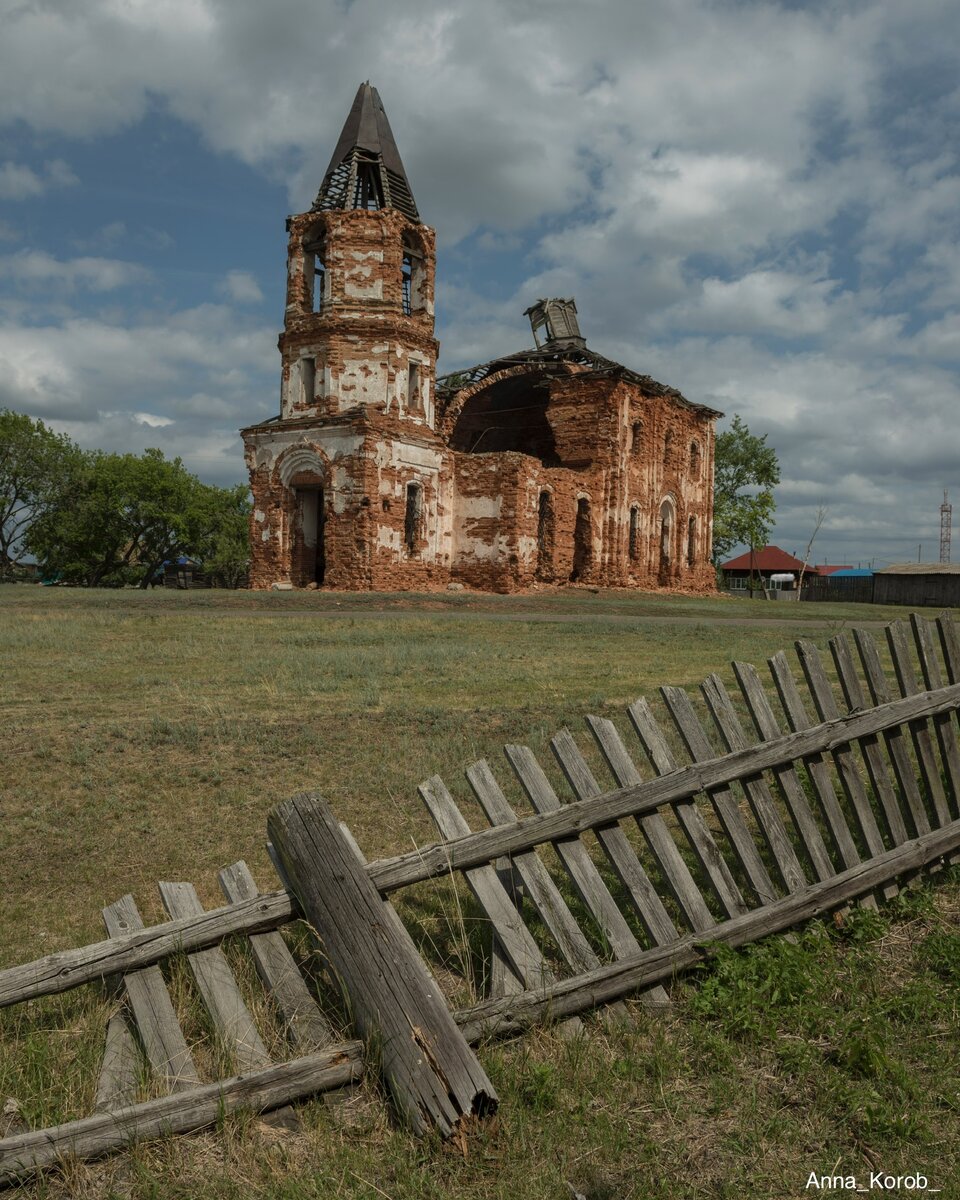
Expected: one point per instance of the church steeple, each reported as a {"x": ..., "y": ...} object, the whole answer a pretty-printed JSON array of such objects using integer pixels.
[{"x": 365, "y": 171}]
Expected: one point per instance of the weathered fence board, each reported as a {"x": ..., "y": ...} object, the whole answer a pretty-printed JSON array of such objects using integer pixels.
[
  {"x": 232, "y": 1020},
  {"x": 434, "y": 1077},
  {"x": 676, "y": 874},
  {"x": 120, "y": 1069},
  {"x": 166, "y": 1047},
  {"x": 786, "y": 776},
  {"x": 181, "y": 1112},
  {"x": 307, "y": 1028}
]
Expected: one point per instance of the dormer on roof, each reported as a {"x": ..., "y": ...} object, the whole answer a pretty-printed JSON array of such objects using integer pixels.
[{"x": 365, "y": 171}]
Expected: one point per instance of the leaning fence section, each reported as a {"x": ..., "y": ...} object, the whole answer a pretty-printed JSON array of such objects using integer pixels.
[{"x": 710, "y": 817}]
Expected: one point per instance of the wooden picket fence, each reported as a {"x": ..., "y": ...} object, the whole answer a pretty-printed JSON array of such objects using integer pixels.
[{"x": 762, "y": 811}]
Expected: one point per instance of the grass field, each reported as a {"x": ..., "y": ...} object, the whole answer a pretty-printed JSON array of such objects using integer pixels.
[{"x": 146, "y": 736}]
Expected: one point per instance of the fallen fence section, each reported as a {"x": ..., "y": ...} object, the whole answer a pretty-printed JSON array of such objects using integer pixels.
[{"x": 756, "y": 810}]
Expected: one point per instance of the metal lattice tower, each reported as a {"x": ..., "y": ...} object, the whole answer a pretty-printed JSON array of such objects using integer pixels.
[{"x": 946, "y": 516}]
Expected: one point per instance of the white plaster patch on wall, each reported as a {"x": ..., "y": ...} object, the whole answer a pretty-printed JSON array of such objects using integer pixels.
[
  {"x": 472, "y": 508},
  {"x": 355, "y": 378},
  {"x": 476, "y": 548},
  {"x": 259, "y": 516},
  {"x": 416, "y": 456}
]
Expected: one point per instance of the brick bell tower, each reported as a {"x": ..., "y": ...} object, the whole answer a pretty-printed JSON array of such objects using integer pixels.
[{"x": 332, "y": 502}]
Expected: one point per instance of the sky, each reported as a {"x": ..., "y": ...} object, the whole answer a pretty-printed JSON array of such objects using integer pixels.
[{"x": 756, "y": 203}]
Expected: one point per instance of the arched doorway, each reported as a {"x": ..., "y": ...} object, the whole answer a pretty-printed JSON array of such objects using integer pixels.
[
  {"x": 309, "y": 558},
  {"x": 666, "y": 543},
  {"x": 303, "y": 476}
]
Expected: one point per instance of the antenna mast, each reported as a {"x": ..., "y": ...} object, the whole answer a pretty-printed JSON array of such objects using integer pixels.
[{"x": 946, "y": 515}]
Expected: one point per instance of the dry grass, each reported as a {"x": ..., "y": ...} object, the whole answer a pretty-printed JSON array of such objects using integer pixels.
[{"x": 146, "y": 738}]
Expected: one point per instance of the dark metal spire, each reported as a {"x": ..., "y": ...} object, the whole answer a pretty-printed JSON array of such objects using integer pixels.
[{"x": 365, "y": 170}]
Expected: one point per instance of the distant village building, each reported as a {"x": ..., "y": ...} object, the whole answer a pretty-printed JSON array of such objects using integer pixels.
[
  {"x": 770, "y": 569},
  {"x": 548, "y": 465}
]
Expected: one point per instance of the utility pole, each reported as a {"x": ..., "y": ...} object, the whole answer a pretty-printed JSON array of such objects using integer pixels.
[{"x": 946, "y": 516}]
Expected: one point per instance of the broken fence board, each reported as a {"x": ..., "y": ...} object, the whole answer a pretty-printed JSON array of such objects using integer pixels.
[
  {"x": 307, "y": 1028},
  {"x": 431, "y": 1072},
  {"x": 163, "y": 1041},
  {"x": 217, "y": 984},
  {"x": 183, "y": 1112}
]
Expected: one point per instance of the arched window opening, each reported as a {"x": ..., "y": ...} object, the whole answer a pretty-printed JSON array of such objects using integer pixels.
[
  {"x": 634, "y": 544},
  {"x": 308, "y": 380},
  {"x": 666, "y": 541},
  {"x": 667, "y": 447},
  {"x": 545, "y": 537},
  {"x": 314, "y": 269},
  {"x": 411, "y": 280},
  {"x": 414, "y": 398},
  {"x": 692, "y": 541},
  {"x": 413, "y": 519},
  {"x": 369, "y": 190},
  {"x": 636, "y": 438},
  {"x": 695, "y": 460},
  {"x": 582, "y": 541}
]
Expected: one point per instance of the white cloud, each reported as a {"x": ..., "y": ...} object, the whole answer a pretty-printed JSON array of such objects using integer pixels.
[
  {"x": 757, "y": 203},
  {"x": 241, "y": 287},
  {"x": 35, "y": 267},
  {"x": 19, "y": 182}
]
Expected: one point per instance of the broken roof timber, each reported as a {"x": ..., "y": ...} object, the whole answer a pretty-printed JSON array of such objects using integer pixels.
[{"x": 593, "y": 363}]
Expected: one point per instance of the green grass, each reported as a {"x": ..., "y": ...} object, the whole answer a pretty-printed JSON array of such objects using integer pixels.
[{"x": 147, "y": 735}]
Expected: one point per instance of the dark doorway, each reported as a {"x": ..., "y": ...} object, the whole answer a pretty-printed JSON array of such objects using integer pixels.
[
  {"x": 545, "y": 535},
  {"x": 582, "y": 542},
  {"x": 310, "y": 556}
]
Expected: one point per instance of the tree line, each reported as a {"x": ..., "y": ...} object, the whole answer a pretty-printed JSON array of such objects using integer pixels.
[{"x": 99, "y": 519}]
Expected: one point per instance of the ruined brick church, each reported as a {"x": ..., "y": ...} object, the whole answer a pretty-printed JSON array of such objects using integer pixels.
[{"x": 548, "y": 465}]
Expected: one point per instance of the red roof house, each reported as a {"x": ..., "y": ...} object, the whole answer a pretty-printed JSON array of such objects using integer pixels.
[{"x": 765, "y": 564}]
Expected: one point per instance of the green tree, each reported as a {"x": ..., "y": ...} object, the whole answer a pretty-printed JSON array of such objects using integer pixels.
[
  {"x": 128, "y": 515},
  {"x": 746, "y": 471},
  {"x": 37, "y": 468},
  {"x": 227, "y": 556}
]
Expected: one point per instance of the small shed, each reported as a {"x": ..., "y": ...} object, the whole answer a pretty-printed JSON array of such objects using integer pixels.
[
  {"x": 934, "y": 585},
  {"x": 183, "y": 572},
  {"x": 851, "y": 584}
]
